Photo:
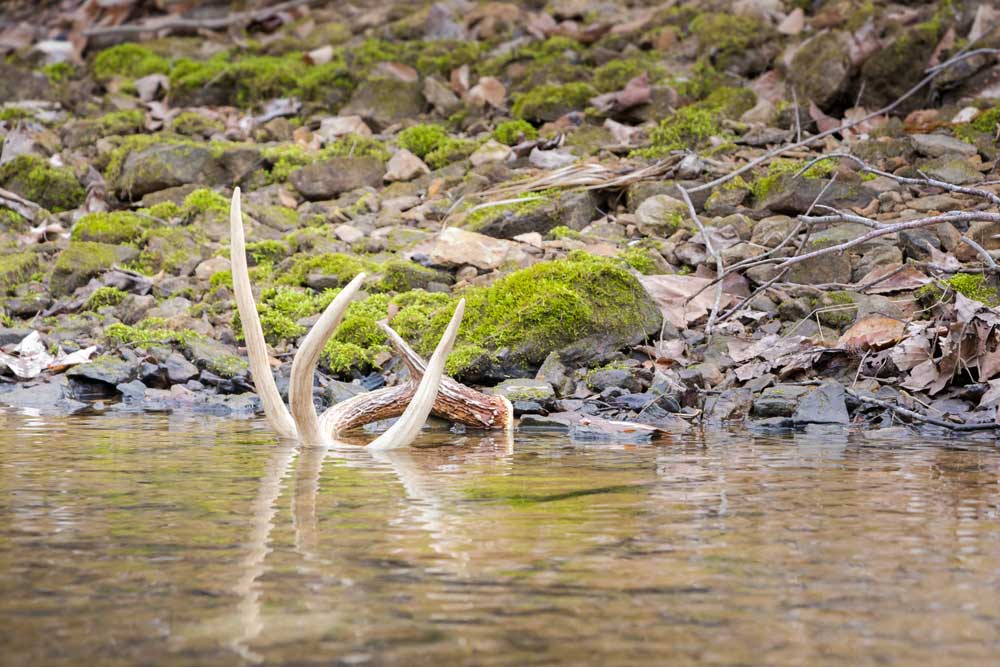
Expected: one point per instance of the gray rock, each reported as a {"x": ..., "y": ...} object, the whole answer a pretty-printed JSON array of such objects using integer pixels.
[
  {"x": 954, "y": 170},
  {"x": 56, "y": 396},
  {"x": 779, "y": 401},
  {"x": 179, "y": 369},
  {"x": 440, "y": 96},
  {"x": 730, "y": 405},
  {"x": 606, "y": 378},
  {"x": 832, "y": 268},
  {"x": 772, "y": 230},
  {"x": 794, "y": 196},
  {"x": 660, "y": 215},
  {"x": 916, "y": 243},
  {"x": 214, "y": 356},
  {"x": 327, "y": 179},
  {"x": 13, "y": 335},
  {"x": 383, "y": 101},
  {"x": 821, "y": 68},
  {"x": 168, "y": 165},
  {"x": 106, "y": 369},
  {"x": 571, "y": 209},
  {"x": 825, "y": 405},
  {"x": 937, "y": 145},
  {"x": 526, "y": 389},
  {"x": 456, "y": 247},
  {"x": 555, "y": 373}
]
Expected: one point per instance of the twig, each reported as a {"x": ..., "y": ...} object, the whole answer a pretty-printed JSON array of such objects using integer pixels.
[
  {"x": 170, "y": 23},
  {"x": 990, "y": 262},
  {"x": 846, "y": 126},
  {"x": 954, "y": 216},
  {"x": 720, "y": 267},
  {"x": 986, "y": 426}
]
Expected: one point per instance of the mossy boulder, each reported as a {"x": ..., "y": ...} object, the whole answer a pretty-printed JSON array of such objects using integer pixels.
[
  {"x": 329, "y": 178},
  {"x": 583, "y": 303},
  {"x": 551, "y": 101},
  {"x": 115, "y": 228},
  {"x": 18, "y": 84},
  {"x": 400, "y": 275},
  {"x": 540, "y": 214},
  {"x": 15, "y": 268},
  {"x": 83, "y": 260},
  {"x": 54, "y": 188},
  {"x": 895, "y": 69},
  {"x": 821, "y": 69},
  {"x": 384, "y": 101},
  {"x": 166, "y": 165}
]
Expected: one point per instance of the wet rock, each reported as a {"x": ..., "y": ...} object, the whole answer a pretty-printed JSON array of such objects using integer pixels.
[
  {"x": 56, "y": 396},
  {"x": 526, "y": 390},
  {"x": 557, "y": 422},
  {"x": 954, "y": 170},
  {"x": 214, "y": 356},
  {"x": 105, "y": 369},
  {"x": 405, "y": 166},
  {"x": 329, "y": 178},
  {"x": 730, "y": 405},
  {"x": 825, "y": 405},
  {"x": 556, "y": 374},
  {"x": 821, "y": 69},
  {"x": 383, "y": 101},
  {"x": 178, "y": 369},
  {"x": 605, "y": 378},
  {"x": 938, "y": 145},
  {"x": 164, "y": 166},
  {"x": 456, "y": 247},
  {"x": 779, "y": 401}
]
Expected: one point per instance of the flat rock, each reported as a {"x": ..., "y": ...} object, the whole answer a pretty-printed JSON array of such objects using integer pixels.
[
  {"x": 108, "y": 370},
  {"x": 571, "y": 209},
  {"x": 825, "y": 405},
  {"x": 168, "y": 165},
  {"x": 954, "y": 170},
  {"x": 329, "y": 178},
  {"x": 730, "y": 405},
  {"x": 658, "y": 215},
  {"x": 53, "y": 397},
  {"x": 456, "y": 247},
  {"x": 526, "y": 389},
  {"x": 794, "y": 196},
  {"x": 383, "y": 101},
  {"x": 937, "y": 145},
  {"x": 779, "y": 401},
  {"x": 405, "y": 166}
]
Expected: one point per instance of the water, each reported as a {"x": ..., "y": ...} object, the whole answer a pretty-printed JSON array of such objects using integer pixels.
[{"x": 201, "y": 541}]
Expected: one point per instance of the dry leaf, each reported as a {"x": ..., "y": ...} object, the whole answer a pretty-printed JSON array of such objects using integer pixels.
[
  {"x": 489, "y": 91},
  {"x": 320, "y": 56},
  {"x": 907, "y": 278},
  {"x": 873, "y": 333},
  {"x": 671, "y": 294}
]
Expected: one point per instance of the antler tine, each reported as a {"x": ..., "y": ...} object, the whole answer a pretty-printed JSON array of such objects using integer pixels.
[
  {"x": 274, "y": 408},
  {"x": 406, "y": 429},
  {"x": 300, "y": 394}
]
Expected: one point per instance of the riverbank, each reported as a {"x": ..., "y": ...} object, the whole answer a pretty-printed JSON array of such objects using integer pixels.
[{"x": 582, "y": 175}]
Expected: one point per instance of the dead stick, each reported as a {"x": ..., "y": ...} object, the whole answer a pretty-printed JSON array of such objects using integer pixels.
[
  {"x": 170, "y": 23},
  {"x": 920, "y": 417}
]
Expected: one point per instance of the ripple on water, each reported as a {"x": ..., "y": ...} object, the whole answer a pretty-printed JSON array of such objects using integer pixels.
[{"x": 181, "y": 540}]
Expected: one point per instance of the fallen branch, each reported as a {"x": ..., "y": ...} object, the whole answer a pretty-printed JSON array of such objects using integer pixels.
[
  {"x": 912, "y": 414},
  {"x": 954, "y": 216},
  {"x": 720, "y": 267}
]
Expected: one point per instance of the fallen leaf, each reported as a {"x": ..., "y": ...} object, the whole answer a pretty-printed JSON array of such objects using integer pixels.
[
  {"x": 635, "y": 93},
  {"x": 489, "y": 90},
  {"x": 873, "y": 333},
  {"x": 64, "y": 361},
  {"x": 793, "y": 23},
  {"x": 906, "y": 278},
  {"x": 913, "y": 350},
  {"x": 671, "y": 293},
  {"x": 320, "y": 56},
  {"x": 823, "y": 122}
]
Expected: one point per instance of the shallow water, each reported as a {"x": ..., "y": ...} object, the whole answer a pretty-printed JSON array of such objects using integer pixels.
[{"x": 175, "y": 540}]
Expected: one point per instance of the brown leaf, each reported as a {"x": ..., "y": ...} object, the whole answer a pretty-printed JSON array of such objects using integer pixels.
[
  {"x": 906, "y": 278},
  {"x": 873, "y": 333},
  {"x": 823, "y": 122},
  {"x": 922, "y": 375},
  {"x": 914, "y": 350},
  {"x": 489, "y": 90},
  {"x": 671, "y": 294},
  {"x": 635, "y": 93}
]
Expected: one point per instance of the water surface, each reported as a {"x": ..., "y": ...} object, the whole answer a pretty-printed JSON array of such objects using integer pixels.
[{"x": 179, "y": 540}]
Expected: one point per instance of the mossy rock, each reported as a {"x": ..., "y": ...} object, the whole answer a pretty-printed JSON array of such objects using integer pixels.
[
  {"x": 16, "y": 268},
  {"x": 540, "y": 212},
  {"x": 130, "y": 61},
  {"x": 895, "y": 69},
  {"x": 821, "y": 69},
  {"x": 384, "y": 101},
  {"x": 84, "y": 260},
  {"x": 583, "y": 300},
  {"x": 400, "y": 275},
  {"x": 114, "y": 228},
  {"x": 550, "y": 102},
  {"x": 166, "y": 165},
  {"x": 53, "y": 188}
]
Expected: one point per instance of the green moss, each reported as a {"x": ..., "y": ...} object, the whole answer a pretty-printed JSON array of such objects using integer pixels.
[
  {"x": 191, "y": 123},
  {"x": 728, "y": 36},
  {"x": 286, "y": 158},
  {"x": 974, "y": 286},
  {"x": 54, "y": 188},
  {"x": 204, "y": 200},
  {"x": 266, "y": 251},
  {"x": 778, "y": 169},
  {"x": 116, "y": 227},
  {"x": 704, "y": 79},
  {"x": 151, "y": 331},
  {"x": 165, "y": 210},
  {"x": 400, "y": 275},
  {"x": 15, "y": 268},
  {"x": 15, "y": 113},
  {"x": 614, "y": 74},
  {"x": 442, "y": 56},
  {"x": 529, "y": 202},
  {"x": 78, "y": 263},
  {"x": 421, "y": 139},
  {"x": 59, "y": 73},
  {"x": 128, "y": 60},
  {"x": 839, "y": 318},
  {"x": 221, "y": 279},
  {"x": 550, "y": 101},
  {"x": 341, "y": 358},
  {"x": 11, "y": 219},
  {"x": 105, "y": 296},
  {"x": 691, "y": 126},
  {"x": 542, "y": 308},
  {"x": 511, "y": 132},
  {"x": 985, "y": 123},
  {"x": 546, "y": 53},
  {"x": 338, "y": 265},
  {"x": 450, "y": 150},
  {"x": 639, "y": 259},
  {"x": 564, "y": 232},
  {"x": 353, "y": 145},
  {"x": 122, "y": 122}
]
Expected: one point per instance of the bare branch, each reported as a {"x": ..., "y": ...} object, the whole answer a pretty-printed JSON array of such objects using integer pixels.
[
  {"x": 720, "y": 267},
  {"x": 172, "y": 23}
]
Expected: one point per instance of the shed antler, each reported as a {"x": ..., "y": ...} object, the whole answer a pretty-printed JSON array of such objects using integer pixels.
[{"x": 428, "y": 389}]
